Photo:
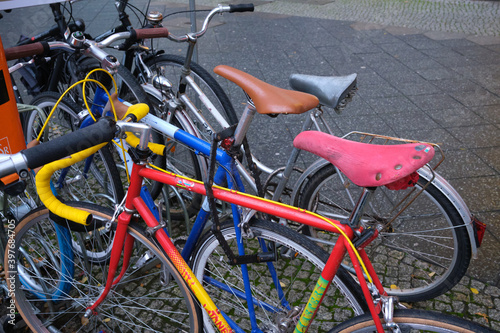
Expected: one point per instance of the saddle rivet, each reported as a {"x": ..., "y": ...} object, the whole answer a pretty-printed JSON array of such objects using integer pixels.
[
  {"x": 378, "y": 176},
  {"x": 416, "y": 157},
  {"x": 398, "y": 167}
]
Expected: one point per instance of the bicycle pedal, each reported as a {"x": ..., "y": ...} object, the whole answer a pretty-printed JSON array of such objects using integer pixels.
[{"x": 288, "y": 253}]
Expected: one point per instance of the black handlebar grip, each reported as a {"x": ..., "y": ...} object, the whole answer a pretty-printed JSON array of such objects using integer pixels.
[
  {"x": 102, "y": 131},
  {"x": 247, "y": 7}
]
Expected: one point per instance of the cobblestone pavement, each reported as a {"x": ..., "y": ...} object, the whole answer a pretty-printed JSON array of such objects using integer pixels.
[
  {"x": 426, "y": 69},
  {"x": 455, "y": 16}
]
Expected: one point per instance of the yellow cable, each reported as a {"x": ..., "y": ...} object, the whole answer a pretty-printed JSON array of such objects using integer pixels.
[
  {"x": 121, "y": 145},
  {"x": 62, "y": 96},
  {"x": 110, "y": 100},
  {"x": 84, "y": 81},
  {"x": 282, "y": 205}
]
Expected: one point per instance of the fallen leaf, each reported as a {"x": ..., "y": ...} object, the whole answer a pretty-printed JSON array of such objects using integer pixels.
[
  {"x": 393, "y": 286},
  {"x": 474, "y": 291},
  {"x": 484, "y": 315},
  {"x": 431, "y": 274}
]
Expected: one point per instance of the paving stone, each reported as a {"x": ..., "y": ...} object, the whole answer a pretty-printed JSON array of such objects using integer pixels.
[
  {"x": 478, "y": 285},
  {"x": 461, "y": 297},
  {"x": 492, "y": 291},
  {"x": 475, "y": 309},
  {"x": 483, "y": 300},
  {"x": 443, "y": 307},
  {"x": 480, "y": 320},
  {"x": 443, "y": 298},
  {"x": 458, "y": 306},
  {"x": 494, "y": 314}
]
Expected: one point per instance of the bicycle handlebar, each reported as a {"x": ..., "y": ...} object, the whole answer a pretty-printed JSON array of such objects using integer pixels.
[
  {"x": 91, "y": 48},
  {"x": 43, "y": 48},
  {"x": 100, "y": 136},
  {"x": 247, "y": 7},
  {"x": 135, "y": 34},
  {"x": 31, "y": 158},
  {"x": 27, "y": 50},
  {"x": 100, "y": 132},
  {"x": 219, "y": 9},
  {"x": 38, "y": 48}
]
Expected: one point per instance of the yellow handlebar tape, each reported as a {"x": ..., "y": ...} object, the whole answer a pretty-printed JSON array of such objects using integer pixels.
[
  {"x": 48, "y": 198},
  {"x": 156, "y": 148},
  {"x": 138, "y": 110}
]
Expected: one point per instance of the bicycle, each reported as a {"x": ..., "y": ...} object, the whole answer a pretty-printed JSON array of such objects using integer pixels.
[
  {"x": 133, "y": 55},
  {"x": 455, "y": 224},
  {"x": 455, "y": 221},
  {"x": 76, "y": 182},
  {"x": 31, "y": 282},
  {"x": 271, "y": 250}
]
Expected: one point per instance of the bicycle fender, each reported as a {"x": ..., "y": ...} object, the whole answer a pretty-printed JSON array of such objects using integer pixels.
[
  {"x": 312, "y": 169},
  {"x": 152, "y": 91},
  {"x": 451, "y": 194}
]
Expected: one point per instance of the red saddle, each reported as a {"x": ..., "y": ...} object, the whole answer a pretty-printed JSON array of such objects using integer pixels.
[{"x": 367, "y": 165}]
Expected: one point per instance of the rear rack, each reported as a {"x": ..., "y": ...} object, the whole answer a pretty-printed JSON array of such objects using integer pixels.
[
  {"x": 413, "y": 193},
  {"x": 383, "y": 140}
]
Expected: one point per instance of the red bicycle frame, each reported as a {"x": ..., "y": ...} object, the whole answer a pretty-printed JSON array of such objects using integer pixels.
[{"x": 134, "y": 203}]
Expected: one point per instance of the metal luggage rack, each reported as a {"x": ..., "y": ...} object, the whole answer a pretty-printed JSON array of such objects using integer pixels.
[
  {"x": 384, "y": 140},
  {"x": 412, "y": 194}
]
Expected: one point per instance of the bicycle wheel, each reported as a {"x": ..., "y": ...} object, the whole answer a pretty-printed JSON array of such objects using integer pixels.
[
  {"x": 151, "y": 296},
  {"x": 170, "y": 66},
  {"x": 413, "y": 321},
  {"x": 421, "y": 255},
  {"x": 95, "y": 179},
  {"x": 298, "y": 266},
  {"x": 128, "y": 88}
]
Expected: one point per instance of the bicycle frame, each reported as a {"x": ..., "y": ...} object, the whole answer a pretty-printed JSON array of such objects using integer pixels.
[{"x": 135, "y": 203}]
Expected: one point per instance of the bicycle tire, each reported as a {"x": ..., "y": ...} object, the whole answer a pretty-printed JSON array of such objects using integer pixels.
[
  {"x": 132, "y": 305},
  {"x": 300, "y": 262},
  {"x": 128, "y": 88},
  {"x": 425, "y": 252},
  {"x": 169, "y": 66},
  {"x": 413, "y": 321},
  {"x": 105, "y": 187}
]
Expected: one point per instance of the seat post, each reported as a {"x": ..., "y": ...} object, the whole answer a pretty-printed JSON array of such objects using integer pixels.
[
  {"x": 358, "y": 210},
  {"x": 244, "y": 124}
]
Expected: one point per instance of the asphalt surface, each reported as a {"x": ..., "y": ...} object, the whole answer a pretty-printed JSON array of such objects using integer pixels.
[{"x": 427, "y": 70}]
